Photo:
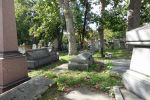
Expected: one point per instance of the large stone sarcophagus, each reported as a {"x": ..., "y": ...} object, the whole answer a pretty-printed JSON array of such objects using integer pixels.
[{"x": 137, "y": 78}]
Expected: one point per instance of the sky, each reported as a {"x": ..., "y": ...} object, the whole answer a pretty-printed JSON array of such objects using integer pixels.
[{"x": 96, "y": 11}]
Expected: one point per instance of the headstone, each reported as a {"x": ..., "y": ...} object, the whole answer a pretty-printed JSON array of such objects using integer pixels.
[
  {"x": 34, "y": 46},
  {"x": 137, "y": 78},
  {"x": 55, "y": 44},
  {"x": 116, "y": 44},
  {"x": 50, "y": 46},
  {"x": 97, "y": 45},
  {"x": 81, "y": 61},
  {"x": 22, "y": 48},
  {"x": 92, "y": 46},
  {"x": 40, "y": 44},
  {"x": 13, "y": 69}
]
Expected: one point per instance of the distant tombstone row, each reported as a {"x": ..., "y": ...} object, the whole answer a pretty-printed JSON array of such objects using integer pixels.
[
  {"x": 23, "y": 47},
  {"x": 117, "y": 44}
]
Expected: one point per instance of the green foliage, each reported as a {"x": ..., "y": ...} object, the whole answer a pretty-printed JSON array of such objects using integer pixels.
[
  {"x": 110, "y": 35},
  {"x": 37, "y": 19},
  {"x": 46, "y": 19},
  {"x": 145, "y": 11}
]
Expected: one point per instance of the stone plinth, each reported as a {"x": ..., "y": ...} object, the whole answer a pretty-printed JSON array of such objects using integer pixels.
[
  {"x": 137, "y": 78},
  {"x": 13, "y": 68}
]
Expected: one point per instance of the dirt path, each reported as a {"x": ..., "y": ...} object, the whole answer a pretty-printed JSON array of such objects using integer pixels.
[{"x": 85, "y": 93}]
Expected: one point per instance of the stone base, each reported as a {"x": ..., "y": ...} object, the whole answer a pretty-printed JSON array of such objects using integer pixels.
[
  {"x": 13, "y": 70},
  {"x": 141, "y": 60},
  {"x": 137, "y": 83},
  {"x": 121, "y": 93},
  {"x": 76, "y": 66},
  {"x": 35, "y": 89},
  {"x": 4, "y": 88}
]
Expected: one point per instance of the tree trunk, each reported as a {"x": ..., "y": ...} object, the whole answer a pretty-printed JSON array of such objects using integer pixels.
[
  {"x": 101, "y": 28},
  {"x": 85, "y": 22},
  {"x": 70, "y": 28},
  {"x": 59, "y": 35},
  {"x": 134, "y": 14}
]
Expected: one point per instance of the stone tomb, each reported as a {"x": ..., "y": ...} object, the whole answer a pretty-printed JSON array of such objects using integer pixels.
[
  {"x": 137, "y": 78},
  {"x": 38, "y": 57},
  {"x": 81, "y": 62}
]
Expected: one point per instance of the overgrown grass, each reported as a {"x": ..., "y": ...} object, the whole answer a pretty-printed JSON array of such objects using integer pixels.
[{"x": 101, "y": 80}]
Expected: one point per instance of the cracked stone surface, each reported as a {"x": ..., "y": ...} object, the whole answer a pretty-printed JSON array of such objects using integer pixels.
[{"x": 29, "y": 90}]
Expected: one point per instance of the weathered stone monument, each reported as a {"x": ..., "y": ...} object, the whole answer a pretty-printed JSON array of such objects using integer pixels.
[
  {"x": 116, "y": 44},
  {"x": 137, "y": 78},
  {"x": 38, "y": 57},
  {"x": 13, "y": 69},
  {"x": 81, "y": 62},
  {"x": 34, "y": 46}
]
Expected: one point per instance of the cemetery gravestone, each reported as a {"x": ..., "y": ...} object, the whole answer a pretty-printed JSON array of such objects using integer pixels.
[
  {"x": 137, "y": 78},
  {"x": 38, "y": 57},
  {"x": 22, "y": 49},
  {"x": 81, "y": 61},
  {"x": 116, "y": 44},
  {"x": 34, "y": 46},
  {"x": 13, "y": 69}
]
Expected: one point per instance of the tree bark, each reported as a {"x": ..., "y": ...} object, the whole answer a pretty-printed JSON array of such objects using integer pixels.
[
  {"x": 134, "y": 14},
  {"x": 70, "y": 28},
  {"x": 85, "y": 22},
  {"x": 101, "y": 28}
]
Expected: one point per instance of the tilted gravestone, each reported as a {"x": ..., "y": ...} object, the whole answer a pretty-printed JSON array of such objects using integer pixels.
[
  {"x": 137, "y": 78},
  {"x": 81, "y": 61}
]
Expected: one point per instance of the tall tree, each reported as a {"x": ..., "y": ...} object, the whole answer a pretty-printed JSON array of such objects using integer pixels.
[
  {"x": 101, "y": 27},
  {"x": 134, "y": 14},
  {"x": 70, "y": 27},
  {"x": 86, "y": 7}
]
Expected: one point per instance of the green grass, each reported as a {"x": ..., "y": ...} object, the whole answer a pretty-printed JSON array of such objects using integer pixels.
[
  {"x": 116, "y": 54},
  {"x": 101, "y": 80},
  {"x": 120, "y": 53}
]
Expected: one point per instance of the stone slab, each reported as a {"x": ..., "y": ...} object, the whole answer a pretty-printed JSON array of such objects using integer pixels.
[
  {"x": 139, "y": 34},
  {"x": 117, "y": 92},
  {"x": 38, "y": 57},
  {"x": 127, "y": 95},
  {"x": 137, "y": 83},
  {"x": 141, "y": 60},
  {"x": 30, "y": 90}
]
